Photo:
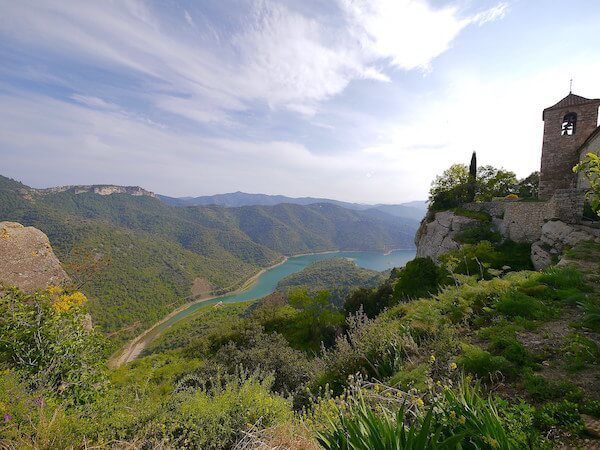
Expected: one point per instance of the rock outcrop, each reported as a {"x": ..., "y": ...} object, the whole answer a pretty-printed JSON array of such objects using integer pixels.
[
  {"x": 556, "y": 237},
  {"x": 100, "y": 189},
  {"x": 26, "y": 258},
  {"x": 436, "y": 234}
]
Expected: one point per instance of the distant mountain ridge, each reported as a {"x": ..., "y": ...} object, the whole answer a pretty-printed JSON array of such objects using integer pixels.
[{"x": 412, "y": 210}]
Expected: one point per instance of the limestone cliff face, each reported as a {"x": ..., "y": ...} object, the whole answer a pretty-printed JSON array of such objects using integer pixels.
[
  {"x": 100, "y": 189},
  {"x": 26, "y": 258},
  {"x": 437, "y": 232}
]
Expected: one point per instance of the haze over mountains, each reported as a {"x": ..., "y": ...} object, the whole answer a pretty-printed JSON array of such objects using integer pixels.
[
  {"x": 412, "y": 210},
  {"x": 150, "y": 254}
]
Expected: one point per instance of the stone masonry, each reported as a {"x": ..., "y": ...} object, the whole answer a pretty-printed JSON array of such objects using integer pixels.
[{"x": 560, "y": 151}]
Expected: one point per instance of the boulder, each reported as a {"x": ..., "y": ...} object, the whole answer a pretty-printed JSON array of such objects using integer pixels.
[
  {"x": 26, "y": 258},
  {"x": 556, "y": 238}
]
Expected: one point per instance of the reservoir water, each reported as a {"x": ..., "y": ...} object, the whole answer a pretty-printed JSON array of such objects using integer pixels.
[{"x": 267, "y": 281}]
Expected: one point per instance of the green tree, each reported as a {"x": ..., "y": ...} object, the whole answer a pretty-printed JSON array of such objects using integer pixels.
[
  {"x": 450, "y": 189},
  {"x": 528, "y": 187},
  {"x": 316, "y": 318},
  {"x": 590, "y": 167},
  {"x": 492, "y": 182}
]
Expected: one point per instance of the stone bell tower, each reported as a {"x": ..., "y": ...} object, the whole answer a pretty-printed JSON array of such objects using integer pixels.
[{"x": 567, "y": 125}]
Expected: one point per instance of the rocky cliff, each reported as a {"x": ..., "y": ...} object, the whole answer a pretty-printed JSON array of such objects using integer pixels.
[
  {"x": 544, "y": 225},
  {"x": 437, "y": 233},
  {"x": 100, "y": 189},
  {"x": 26, "y": 258}
]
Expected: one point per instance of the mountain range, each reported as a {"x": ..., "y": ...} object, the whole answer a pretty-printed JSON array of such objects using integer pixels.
[
  {"x": 139, "y": 258},
  {"x": 412, "y": 210}
]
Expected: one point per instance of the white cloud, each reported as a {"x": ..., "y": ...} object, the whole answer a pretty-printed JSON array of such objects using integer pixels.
[
  {"x": 277, "y": 56},
  {"x": 411, "y": 33},
  {"x": 93, "y": 102}
]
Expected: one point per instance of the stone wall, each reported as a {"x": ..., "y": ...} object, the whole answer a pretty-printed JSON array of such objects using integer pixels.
[{"x": 522, "y": 221}]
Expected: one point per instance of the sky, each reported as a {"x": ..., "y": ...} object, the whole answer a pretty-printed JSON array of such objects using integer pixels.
[{"x": 357, "y": 100}]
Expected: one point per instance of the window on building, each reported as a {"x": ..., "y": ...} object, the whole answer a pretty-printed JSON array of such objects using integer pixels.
[{"x": 568, "y": 124}]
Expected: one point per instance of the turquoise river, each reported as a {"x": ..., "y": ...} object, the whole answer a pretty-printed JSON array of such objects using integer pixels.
[
  {"x": 266, "y": 284},
  {"x": 267, "y": 281}
]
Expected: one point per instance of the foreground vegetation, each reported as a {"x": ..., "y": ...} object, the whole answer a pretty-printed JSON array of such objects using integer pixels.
[{"x": 507, "y": 360}]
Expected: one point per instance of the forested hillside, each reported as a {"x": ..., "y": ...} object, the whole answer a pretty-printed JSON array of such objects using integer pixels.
[
  {"x": 338, "y": 276},
  {"x": 139, "y": 257}
]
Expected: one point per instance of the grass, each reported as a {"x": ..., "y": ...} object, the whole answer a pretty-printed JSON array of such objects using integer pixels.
[
  {"x": 456, "y": 418},
  {"x": 580, "y": 352},
  {"x": 585, "y": 251},
  {"x": 477, "y": 215}
]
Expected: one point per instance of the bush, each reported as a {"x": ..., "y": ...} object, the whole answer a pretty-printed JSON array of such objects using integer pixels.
[
  {"x": 421, "y": 277},
  {"x": 30, "y": 420},
  {"x": 542, "y": 389},
  {"x": 214, "y": 416},
  {"x": 47, "y": 337},
  {"x": 517, "y": 304},
  {"x": 562, "y": 414},
  {"x": 580, "y": 352},
  {"x": 475, "y": 234},
  {"x": 479, "y": 362},
  {"x": 256, "y": 350}
]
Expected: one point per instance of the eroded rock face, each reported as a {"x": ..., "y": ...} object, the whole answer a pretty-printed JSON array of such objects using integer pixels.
[
  {"x": 555, "y": 238},
  {"x": 436, "y": 237},
  {"x": 26, "y": 258}
]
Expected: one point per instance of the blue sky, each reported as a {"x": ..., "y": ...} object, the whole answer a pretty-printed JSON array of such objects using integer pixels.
[{"x": 360, "y": 100}]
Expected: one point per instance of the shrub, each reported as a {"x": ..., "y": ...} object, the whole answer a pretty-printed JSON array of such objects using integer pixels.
[
  {"x": 517, "y": 304},
  {"x": 47, "y": 337},
  {"x": 411, "y": 377},
  {"x": 213, "y": 417},
  {"x": 421, "y": 277},
  {"x": 542, "y": 389},
  {"x": 256, "y": 350},
  {"x": 563, "y": 414},
  {"x": 478, "y": 233},
  {"x": 471, "y": 259},
  {"x": 480, "y": 362},
  {"x": 31, "y": 420},
  {"x": 591, "y": 311}
]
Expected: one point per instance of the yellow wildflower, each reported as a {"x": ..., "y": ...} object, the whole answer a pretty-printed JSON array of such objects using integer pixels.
[
  {"x": 54, "y": 290},
  {"x": 432, "y": 358},
  {"x": 453, "y": 366},
  {"x": 66, "y": 301},
  {"x": 490, "y": 440},
  {"x": 419, "y": 402},
  {"x": 462, "y": 420}
]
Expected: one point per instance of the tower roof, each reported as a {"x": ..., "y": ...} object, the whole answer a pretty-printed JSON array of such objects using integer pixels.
[{"x": 571, "y": 100}]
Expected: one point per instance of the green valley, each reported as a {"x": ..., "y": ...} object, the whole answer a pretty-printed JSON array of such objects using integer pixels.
[{"x": 138, "y": 257}]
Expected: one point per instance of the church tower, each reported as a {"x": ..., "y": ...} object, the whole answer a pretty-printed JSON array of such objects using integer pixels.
[{"x": 567, "y": 125}]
